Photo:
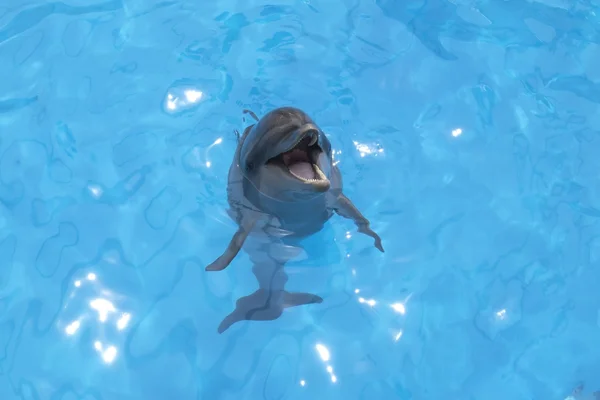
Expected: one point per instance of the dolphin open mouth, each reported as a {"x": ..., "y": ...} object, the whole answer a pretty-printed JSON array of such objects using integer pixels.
[{"x": 301, "y": 161}]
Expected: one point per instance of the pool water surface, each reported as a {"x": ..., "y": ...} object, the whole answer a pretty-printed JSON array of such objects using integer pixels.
[{"x": 467, "y": 132}]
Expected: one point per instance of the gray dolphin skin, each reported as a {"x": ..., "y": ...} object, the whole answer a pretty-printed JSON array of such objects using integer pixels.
[
  {"x": 577, "y": 394},
  {"x": 282, "y": 187}
]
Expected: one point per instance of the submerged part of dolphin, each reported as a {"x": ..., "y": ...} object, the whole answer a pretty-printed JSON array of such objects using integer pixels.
[
  {"x": 282, "y": 186},
  {"x": 270, "y": 299}
]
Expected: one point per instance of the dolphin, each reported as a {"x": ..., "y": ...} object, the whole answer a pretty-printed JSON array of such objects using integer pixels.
[
  {"x": 282, "y": 186},
  {"x": 577, "y": 394}
]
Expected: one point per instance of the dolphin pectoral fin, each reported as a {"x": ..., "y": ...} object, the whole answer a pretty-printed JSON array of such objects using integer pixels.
[
  {"x": 293, "y": 299},
  {"x": 247, "y": 111},
  {"x": 233, "y": 248},
  {"x": 223, "y": 261},
  {"x": 346, "y": 209},
  {"x": 235, "y": 244}
]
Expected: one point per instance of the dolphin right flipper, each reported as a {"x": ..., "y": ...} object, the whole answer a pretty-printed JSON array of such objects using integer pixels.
[{"x": 233, "y": 248}]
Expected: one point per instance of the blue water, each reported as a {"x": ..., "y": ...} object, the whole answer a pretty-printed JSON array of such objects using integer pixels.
[{"x": 468, "y": 132}]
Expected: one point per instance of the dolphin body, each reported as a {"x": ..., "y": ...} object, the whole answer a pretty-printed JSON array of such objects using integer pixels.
[
  {"x": 282, "y": 187},
  {"x": 577, "y": 394}
]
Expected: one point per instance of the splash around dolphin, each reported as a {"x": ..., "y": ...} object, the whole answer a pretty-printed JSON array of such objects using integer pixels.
[{"x": 282, "y": 187}]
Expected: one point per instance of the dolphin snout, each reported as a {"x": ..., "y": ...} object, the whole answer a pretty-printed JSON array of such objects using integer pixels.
[
  {"x": 314, "y": 137},
  {"x": 310, "y": 131}
]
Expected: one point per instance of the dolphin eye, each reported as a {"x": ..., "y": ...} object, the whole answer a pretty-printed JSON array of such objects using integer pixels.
[{"x": 249, "y": 166}]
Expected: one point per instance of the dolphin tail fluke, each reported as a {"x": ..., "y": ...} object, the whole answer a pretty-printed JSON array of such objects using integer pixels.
[
  {"x": 228, "y": 321},
  {"x": 263, "y": 305},
  {"x": 300, "y": 299}
]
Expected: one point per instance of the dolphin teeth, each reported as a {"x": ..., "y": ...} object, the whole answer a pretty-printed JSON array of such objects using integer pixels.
[
  {"x": 313, "y": 139},
  {"x": 320, "y": 174}
]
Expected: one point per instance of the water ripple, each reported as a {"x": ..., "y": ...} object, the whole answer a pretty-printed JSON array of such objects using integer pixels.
[
  {"x": 467, "y": 131},
  {"x": 30, "y": 17}
]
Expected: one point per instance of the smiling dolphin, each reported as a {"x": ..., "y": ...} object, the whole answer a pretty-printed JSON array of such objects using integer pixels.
[{"x": 282, "y": 187}]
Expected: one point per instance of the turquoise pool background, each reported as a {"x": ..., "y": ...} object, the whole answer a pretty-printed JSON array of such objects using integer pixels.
[{"x": 468, "y": 132}]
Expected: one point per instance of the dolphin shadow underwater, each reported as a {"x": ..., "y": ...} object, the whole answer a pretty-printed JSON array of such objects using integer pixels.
[{"x": 282, "y": 187}]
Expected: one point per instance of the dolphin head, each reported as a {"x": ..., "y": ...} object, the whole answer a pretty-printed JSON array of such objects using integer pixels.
[{"x": 286, "y": 156}]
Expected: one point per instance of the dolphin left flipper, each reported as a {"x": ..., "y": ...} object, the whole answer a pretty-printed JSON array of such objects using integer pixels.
[{"x": 346, "y": 209}]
